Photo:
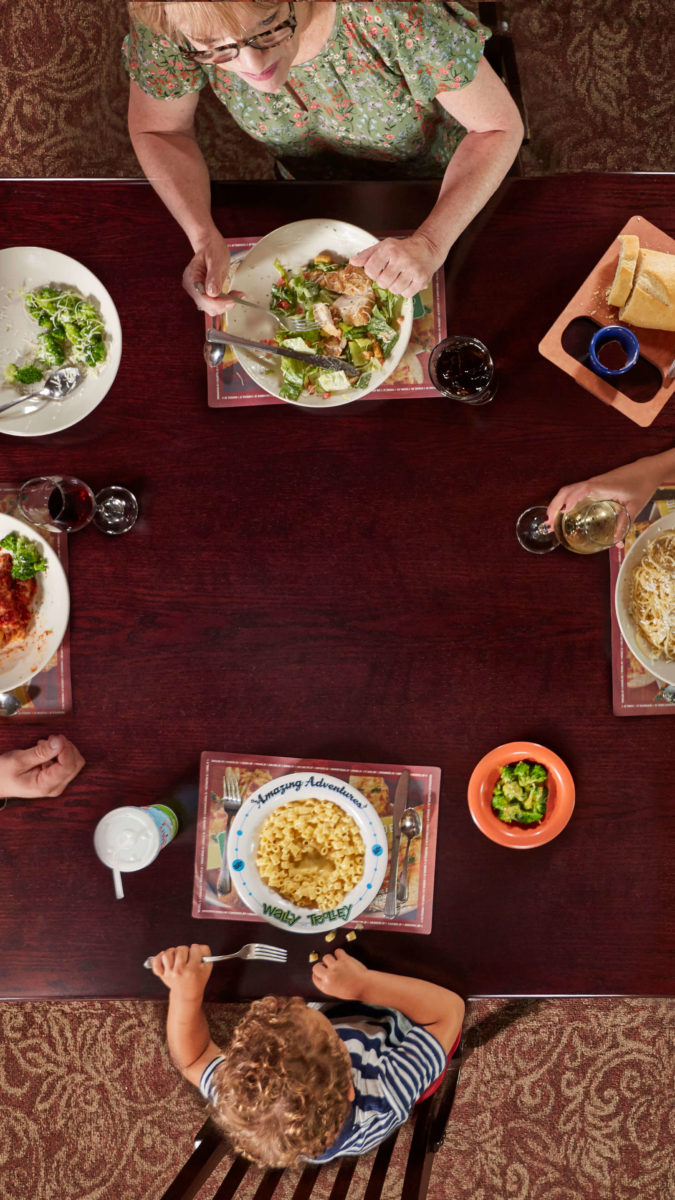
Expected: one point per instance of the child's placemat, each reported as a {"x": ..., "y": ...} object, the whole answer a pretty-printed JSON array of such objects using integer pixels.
[
  {"x": 635, "y": 692},
  {"x": 377, "y": 782},
  {"x": 641, "y": 393},
  {"x": 47, "y": 694},
  {"x": 230, "y": 387}
]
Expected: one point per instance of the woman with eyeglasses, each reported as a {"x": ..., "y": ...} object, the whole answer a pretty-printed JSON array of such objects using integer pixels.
[{"x": 403, "y": 83}]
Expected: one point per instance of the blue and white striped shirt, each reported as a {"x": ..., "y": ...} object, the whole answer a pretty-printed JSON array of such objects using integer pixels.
[{"x": 393, "y": 1062}]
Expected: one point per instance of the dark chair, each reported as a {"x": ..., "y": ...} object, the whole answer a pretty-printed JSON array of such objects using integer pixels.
[{"x": 430, "y": 1118}]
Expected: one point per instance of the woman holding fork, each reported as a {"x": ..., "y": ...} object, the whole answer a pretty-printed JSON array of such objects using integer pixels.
[{"x": 402, "y": 83}]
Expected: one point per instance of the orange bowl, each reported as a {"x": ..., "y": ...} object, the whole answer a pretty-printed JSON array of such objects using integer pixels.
[{"x": 558, "y": 808}]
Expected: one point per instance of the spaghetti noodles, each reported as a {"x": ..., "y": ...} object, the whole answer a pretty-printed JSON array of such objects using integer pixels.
[{"x": 653, "y": 598}]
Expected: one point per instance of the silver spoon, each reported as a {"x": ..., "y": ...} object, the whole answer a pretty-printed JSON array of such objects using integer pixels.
[
  {"x": 411, "y": 827},
  {"x": 55, "y": 387},
  {"x": 9, "y": 704},
  {"x": 213, "y": 354}
]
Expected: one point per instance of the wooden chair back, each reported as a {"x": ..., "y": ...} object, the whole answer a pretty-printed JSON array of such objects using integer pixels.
[{"x": 430, "y": 1119}]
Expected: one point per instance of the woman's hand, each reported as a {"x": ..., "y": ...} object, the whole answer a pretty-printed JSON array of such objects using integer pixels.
[
  {"x": 339, "y": 975},
  {"x": 45, "y": 769},
  {"x": 182, "y": 970},
  {"x": 403, "y": 265},
  {"x": 631, "y": 485},
  {"x": 209, "y": 267}
]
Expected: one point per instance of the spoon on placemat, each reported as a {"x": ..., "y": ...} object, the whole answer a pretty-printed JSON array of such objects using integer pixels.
[
  {"x": 56, "y": 386},
  {"x": 9, "y": 704},
  {"x": 411, "y": 827}
]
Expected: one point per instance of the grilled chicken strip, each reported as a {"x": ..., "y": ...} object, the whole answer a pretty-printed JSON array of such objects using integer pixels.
[
  {"x": 353, "y": 309},
  {"x": 324, "y": 318},
  {"x": 349, "y": 281}
]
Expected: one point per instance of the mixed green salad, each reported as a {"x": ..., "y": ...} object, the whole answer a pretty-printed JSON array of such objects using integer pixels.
[
  {"x": 363, "y": 333},
  {"x": 521, "y": 793},
  {"x": 27, "y": 557},
  {"x": 71, "y": 332}
]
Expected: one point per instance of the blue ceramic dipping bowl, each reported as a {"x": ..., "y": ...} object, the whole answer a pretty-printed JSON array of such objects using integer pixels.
[{"x": 626, "y": 339}]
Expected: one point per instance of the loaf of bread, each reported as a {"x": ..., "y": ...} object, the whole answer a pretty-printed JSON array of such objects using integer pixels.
[
  {"x": 651, "y": 303},
  {"x": 625, "y": 270}
]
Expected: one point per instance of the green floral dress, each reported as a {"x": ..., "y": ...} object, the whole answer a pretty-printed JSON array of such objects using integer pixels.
[{"x": 370, "y": 93}]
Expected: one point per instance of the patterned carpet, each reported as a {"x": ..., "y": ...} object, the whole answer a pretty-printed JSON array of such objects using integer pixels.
[
  {"x": 558, "y": 1100},
  {"x": 596, "y": 81}
]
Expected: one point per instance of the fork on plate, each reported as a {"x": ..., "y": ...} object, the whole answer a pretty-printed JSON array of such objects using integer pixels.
[
  {"x": 231, "y": 803},
  {"x": 293, "y": 324},
  {"x": 253, "y": 951}
]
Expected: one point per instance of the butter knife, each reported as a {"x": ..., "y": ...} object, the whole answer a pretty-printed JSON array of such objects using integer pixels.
[
  {"x": 315, "y": 360},
  {"x": 400, "y": 804}
]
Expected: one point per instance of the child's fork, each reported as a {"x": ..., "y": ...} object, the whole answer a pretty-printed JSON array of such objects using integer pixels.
[{"x": 254, "y": 950}]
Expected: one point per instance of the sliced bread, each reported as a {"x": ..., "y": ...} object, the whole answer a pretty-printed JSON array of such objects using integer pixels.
[
  {"x": 651, "y": 303},
  {"x": 623, "y": 279}
]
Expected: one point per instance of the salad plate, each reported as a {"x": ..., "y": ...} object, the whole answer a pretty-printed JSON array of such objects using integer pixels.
[
  {"x": 242, "y": 848},
  {"x": 24, "y": 269},
  {"x": 559, "y": 805},
  {"x": 660, "y": 668},
  {"x": 22, "y": 659},
  {"x": 294, "y": 246}
]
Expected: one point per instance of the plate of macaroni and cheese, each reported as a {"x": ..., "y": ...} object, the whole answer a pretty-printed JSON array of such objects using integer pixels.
[{"x": 307, "y": 852}]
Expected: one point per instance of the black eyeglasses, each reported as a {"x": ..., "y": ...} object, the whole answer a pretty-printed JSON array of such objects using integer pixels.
[{"x": 261, "y": 41}]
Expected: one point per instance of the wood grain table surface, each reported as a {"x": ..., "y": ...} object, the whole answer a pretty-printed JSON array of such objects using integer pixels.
[{"x": 347, "y": 585}]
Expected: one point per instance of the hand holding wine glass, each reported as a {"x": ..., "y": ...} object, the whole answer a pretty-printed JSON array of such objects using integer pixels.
[
  {"x": 593, "y": 524},
  {"x": 65, "y": 504}
]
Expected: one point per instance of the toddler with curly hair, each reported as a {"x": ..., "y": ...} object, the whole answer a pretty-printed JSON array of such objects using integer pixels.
[{"x": 313, "y": 1082}]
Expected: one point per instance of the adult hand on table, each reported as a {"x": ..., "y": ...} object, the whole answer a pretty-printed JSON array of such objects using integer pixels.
[
  {"x": 210, "y": 267},
  {"x": 403, "y": 265},
  {"x": 632, "y": 485},
  {"x": 45, "y": 769}
]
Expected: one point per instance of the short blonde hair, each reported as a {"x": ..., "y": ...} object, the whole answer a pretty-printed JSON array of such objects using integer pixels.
[
  {"x": 199, "y": 19},
  {"x": 282, "y": 1092}
]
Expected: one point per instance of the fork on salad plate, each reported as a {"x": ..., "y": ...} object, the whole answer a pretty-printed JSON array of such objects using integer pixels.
[{"x": 292, "y": 324}]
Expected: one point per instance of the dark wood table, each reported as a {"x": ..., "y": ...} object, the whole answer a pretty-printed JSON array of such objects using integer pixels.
[{"x": 344, "y": 585}]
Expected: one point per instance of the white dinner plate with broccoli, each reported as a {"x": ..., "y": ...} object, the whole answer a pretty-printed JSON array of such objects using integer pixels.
[
  {"x": 53, "y": 312},
  {"x": 294, "y": 248}
]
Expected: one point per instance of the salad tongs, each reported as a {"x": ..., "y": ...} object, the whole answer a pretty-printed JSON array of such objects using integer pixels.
[{"x": 315, "y": 360}]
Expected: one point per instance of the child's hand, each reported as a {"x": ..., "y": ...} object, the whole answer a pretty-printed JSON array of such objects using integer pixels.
[
  {"x": 339, "y": 975},
  {"x": 182, "y": 970}
]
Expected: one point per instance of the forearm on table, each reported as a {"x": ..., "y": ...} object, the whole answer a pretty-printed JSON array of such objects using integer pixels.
[
  {"x": 187, "y": 1031},
  {"x": 474, "y": 172},
  {"x": 423, "y": 1002},
  {"x": 659, "y": 468},
  {"x": 175, "y": 166}
]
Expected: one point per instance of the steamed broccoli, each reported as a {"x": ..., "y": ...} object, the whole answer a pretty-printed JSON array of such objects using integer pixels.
[
  {"x": 521, "y": 794},
  {"x": 71, "y": 330},
  {"x": 52, "y": 349},
  {"x": 23, "y": 376}
]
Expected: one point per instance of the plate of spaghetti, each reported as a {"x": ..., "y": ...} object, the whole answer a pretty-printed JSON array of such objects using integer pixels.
[
  {"x": 645, "y": 599},
  {"x": 33, "y": 612}
]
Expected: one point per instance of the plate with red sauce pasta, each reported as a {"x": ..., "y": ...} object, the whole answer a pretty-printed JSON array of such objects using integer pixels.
[{"x": 34, "y": 610}]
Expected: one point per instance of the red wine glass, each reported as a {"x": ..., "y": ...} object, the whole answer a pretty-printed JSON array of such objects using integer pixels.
[{"x": 65, "y": 504}]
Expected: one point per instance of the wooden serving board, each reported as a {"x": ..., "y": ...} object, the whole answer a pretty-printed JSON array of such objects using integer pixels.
[{"x": 643, "y": 391}]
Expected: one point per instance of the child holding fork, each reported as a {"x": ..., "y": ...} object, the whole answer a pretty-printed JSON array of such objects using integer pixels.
[{"x": 313, "y": 1082}]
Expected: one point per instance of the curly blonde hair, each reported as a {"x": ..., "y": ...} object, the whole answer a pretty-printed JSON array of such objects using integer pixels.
[
  {"x": 195, "y": 18},
  {"x": 282, "y": 1093}
]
